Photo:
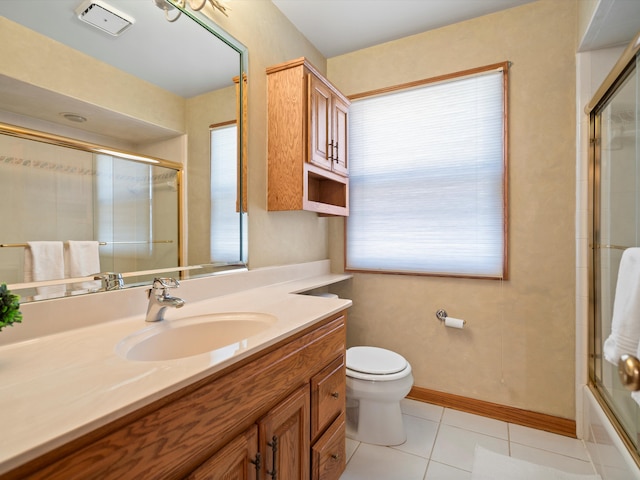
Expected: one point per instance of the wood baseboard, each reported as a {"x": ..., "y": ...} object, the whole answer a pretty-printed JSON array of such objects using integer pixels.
[{"x": 527, "y": 418}]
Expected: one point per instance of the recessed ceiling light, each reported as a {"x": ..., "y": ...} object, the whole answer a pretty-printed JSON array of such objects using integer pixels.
[
  {"x": 104, "y": 16},
  {"x": 73, "y": 117}
]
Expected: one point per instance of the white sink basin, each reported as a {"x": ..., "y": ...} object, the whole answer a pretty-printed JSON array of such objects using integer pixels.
[{"x": 171, "y": 339}]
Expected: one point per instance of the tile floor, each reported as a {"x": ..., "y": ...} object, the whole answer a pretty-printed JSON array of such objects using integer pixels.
[{"x": 440, "y": 446}]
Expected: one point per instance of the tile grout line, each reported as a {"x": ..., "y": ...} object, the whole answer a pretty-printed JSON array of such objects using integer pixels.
[{"x": 433, "y": 445}]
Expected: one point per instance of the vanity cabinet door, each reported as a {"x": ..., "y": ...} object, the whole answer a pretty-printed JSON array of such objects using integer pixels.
[
  {"x": 328, "y": 390},
  {"x": 328, "y": 453},
  {"x": 284, "y": 438},
  {"x": 238, "y": 460}
]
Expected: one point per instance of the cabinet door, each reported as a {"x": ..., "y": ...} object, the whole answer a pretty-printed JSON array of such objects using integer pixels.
[
  {"x": 284, "y": 438},
  {"x": 328, "y": 390},
  {"x": 320, "y": 152},
  {"x": 340, "y": 124},
  {"x": 238, "y": 460},
  {"x": 328, "y": 453}
]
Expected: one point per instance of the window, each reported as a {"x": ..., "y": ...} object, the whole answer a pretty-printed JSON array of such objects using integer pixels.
[
  {"x": 428, "y": 177},
  {"x": 225, "y": 228}
]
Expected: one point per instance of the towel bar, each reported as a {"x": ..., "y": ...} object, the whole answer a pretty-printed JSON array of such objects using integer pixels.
[{"x": 23, "y": 245}]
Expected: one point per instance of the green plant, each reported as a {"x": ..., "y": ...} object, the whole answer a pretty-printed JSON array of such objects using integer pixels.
[{"x": 9, "y": 307}]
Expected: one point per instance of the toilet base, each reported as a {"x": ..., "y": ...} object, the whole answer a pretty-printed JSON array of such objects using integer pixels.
[{"x": 376, "y": 423}]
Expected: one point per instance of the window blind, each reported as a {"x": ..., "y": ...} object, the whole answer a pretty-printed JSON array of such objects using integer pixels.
[
  {"x": 427, "y": 179},
  {"x": 225, "y": 226}
]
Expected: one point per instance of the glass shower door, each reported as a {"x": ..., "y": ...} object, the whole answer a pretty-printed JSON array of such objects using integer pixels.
[{"x": 616, "y": 227}]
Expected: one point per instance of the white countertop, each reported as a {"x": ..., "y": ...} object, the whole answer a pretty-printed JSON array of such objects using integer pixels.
[{"x": 57, "y": 387}]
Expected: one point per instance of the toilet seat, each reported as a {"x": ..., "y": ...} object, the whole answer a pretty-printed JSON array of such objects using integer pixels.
[{"x": 376, "y": 364}]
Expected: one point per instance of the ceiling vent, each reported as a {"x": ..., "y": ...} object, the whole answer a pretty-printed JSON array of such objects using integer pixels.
[{"x": 104, "y": 17}]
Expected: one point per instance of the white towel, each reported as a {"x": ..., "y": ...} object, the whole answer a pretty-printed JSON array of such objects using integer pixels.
[
  {"x": 83, "y": 260},
  {"x": 45, "y": 261},
  {"x": 625, "y": 322}
]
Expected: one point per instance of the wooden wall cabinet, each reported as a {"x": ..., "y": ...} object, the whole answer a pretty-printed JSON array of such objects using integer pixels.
[
  {"x": 307, "y": 141},
  {"x": 279, "y": 411}
]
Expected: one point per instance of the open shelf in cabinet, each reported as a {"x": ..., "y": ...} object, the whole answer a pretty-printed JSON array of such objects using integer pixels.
[{"x": 324, "y": 192}]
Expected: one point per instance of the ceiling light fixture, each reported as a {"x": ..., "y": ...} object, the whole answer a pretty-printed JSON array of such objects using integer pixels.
[
  {"x": 195, "y": 5},
  {"x": 73, "y": 117},
  {"x": 103, "y": 16},
  {"x": 128, "y": 156}
]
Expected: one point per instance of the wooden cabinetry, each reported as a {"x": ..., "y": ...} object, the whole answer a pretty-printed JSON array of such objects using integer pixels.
[
  {"x": 328, "y": 390},
  {"x": 307, "y": 135},
  {"x": 221, "y": 426},
  {"x": 328, "y": 453},
  {"x": 328, "y": 117},
  {"x": 284, "y": 438},
  {"x": 239, "y": 460}
]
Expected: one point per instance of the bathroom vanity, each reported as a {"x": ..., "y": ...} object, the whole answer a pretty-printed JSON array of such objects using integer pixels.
[{"x": 272, "y": 408}]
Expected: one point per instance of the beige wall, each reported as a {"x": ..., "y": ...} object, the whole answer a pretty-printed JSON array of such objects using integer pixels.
[{"x": 518, "y": 346}]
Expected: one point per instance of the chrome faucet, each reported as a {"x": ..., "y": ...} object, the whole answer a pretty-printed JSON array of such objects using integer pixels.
[
  {"x": 110, "y": 280},
  {"x": 160, "y": 299}
]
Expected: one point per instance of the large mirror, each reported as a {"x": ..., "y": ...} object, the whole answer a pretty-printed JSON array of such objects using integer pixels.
[{"x": 121, "y": 145}]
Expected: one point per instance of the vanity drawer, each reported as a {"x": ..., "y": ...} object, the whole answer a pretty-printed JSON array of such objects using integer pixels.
[
  {"x": 329, "y": 452},
  {"x": 328, "y": 390}
]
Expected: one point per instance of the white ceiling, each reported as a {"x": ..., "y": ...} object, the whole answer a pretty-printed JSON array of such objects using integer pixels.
[
  {"x": 614, "y": 22},
  {"x": 336, "y": 27}
]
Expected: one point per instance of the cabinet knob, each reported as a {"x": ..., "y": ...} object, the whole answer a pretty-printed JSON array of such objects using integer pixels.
[
  {"x": 335, "y": 395},
  {"x": 335, "y": 456}
]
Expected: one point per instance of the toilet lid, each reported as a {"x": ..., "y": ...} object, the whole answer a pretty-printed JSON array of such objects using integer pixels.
[{"x": 375, "y": 360}]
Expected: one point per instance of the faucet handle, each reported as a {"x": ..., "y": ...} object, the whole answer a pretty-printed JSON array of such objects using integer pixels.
[{"x": 165, "y": 283}]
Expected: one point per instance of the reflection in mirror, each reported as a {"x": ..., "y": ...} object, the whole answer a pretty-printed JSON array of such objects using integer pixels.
[
  {"x": 226, "y": 241},
  {"x": 160, "y": 90},
  {"x": 97, "y": 212}
]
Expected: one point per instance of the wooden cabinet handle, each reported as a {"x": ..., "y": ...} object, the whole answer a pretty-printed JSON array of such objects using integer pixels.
[
  {"x": 335, "y": 456},
  {"x": 335, "y": 395}
]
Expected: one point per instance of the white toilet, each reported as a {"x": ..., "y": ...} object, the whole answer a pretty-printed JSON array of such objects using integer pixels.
[{"x": 377, "y": 379}]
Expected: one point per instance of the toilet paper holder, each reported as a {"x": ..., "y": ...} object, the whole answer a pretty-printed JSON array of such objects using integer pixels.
[{"x": 441, "y": 315}]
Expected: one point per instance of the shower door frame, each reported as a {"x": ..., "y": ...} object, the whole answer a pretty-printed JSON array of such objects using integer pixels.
[{"x": 617, "y": 76}]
